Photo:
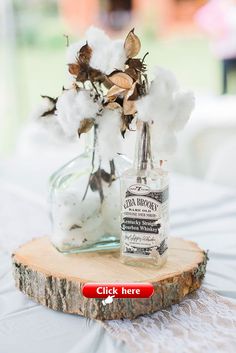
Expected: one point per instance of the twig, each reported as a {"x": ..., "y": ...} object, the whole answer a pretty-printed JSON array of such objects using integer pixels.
[
  {"x": 101, "y": 194},
  {"x": 93, "y": 158},
  {"x": 113, "y": 171},
  {"x": 145, "y": 57},
  {"x": 67, "y": 40}
]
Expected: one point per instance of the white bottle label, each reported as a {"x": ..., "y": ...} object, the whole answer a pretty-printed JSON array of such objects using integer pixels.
[{"x": 144, "y": 221}]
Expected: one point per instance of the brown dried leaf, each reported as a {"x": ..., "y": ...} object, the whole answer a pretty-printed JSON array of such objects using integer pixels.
[
  {"x": 121, "y": 80},
  {"x": 126, "y": 121},
  {"x": 96, "y": 75},
  {"x": 132, "y": 44},
  {"x": 136, "y": 64},
  {"x": 85, "y": 54},
  {"x": 105, "y": 176},
  {"x": 107, "y": 83},
  {"x": 132, "y": 94},
  {"x": 113, "y": 105},
  {"x": 129, "y": 106},
  {"x": 74, "y": 69},
  {"x": 95, "y": 181},
  {"x": 85, "y": 126},
  {"x": 75, "y": 226},
  {"x": 132, "y": 73},
  {"x": 114, "y": 91},
  {"x": 52, "y": 100}
]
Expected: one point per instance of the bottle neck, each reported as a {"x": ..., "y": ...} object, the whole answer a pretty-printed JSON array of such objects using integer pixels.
[
  {"x": 90, "y": 139},
  {"x": 143, "y": 156}
]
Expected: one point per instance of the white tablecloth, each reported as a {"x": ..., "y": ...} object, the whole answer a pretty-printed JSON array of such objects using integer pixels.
[{"x": 199, "y": 211}]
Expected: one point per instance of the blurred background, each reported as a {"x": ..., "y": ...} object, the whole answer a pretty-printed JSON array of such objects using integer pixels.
[{"x": 196, "y": 39}]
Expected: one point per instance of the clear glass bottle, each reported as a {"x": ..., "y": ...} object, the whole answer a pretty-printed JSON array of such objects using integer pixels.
[
  {"x": 144, "y": 210},
  {"x": 85, "y": 202}
]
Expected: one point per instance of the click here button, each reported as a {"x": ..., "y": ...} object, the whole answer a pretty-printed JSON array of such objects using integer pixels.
[{"x": 118, "y": 290}]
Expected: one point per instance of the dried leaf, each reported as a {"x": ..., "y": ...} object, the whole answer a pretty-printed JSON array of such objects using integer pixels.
[
  {"x": 114, "y": 91},
  {"x": 129, "y": 106},
  {"x": 95, "y": 181},
  {"x": 126, "y": 121},
  {"x": 132, "y": 94},
  {"x": 105, "y": 176},
  {"x": 85, "y": 54},
  {"x": 121, "y": 80},
  {"x": 74, "y": 69},
  {"x": 136, "y": 64},
  {"x": 96, "y": 75},
  {"x": 132, "y": 73},
  {"x": 53, "y": 100},
  {"x": 85, "y": 126},
  {"x": 75, "y": 226},
  {"x": 50, "y": 111},
  {"x": 113, "y": 105},
  {"x": 123, "y": 130},
  {"x": 107, "y": 83},
  {"x": 132, "y": 44}
]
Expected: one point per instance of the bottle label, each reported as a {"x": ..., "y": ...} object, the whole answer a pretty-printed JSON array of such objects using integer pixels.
[{"x": 144, "y": 221}]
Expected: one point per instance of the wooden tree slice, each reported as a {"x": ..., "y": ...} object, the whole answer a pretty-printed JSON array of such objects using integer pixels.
[{"x": 55, "y": 280}]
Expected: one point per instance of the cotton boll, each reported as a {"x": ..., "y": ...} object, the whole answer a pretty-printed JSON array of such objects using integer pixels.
[
  {"x": 73, "y": 50},
  {"x": 98, "y": 60},
  {"x": 96, "y": 37},
  {"x": 100, "y": 43},
  {"x": 88, "y": 108},
  {"x": 158, "y": 105},
  {"x": 45, "y": 105},
  {"x": 48, "y": 122},
  {"x": 107, "y": 54},
  {"x": 109, "y": 136},
  {"x": 117, "y": 56},
  {"x": 168, "y": 108},
  {"x": 164, "y": 83},
  {"x": 184, "y": 105},
  {"x": 68, "y": 114},
  {"x": 144, "y": 108},
  {"x": 51, "y": 124}
]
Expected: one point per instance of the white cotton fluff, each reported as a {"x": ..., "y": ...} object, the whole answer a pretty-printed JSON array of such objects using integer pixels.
[
  {"x": 68, "y": 113},
  {"x": 158, "y": 105},
  {"x": 107, "y": 54},
  {"x": 109, "y": 136},
  {"x": 117, "y": 56},
  {"x": 48, "y": 122},
  {"x": 167, "y": 107},
  {"x": 69, "y": 210},
  {"x": 87, "y": 107},
  {"x": 72, "y": 107},
  {"x": 184, "y": 105},
  {"x": 73, "y": 50},
  {"x": 45, "y": 105}
]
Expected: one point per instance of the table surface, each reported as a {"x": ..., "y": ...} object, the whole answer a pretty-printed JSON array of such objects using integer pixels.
[{"x": 199, "y": 211}]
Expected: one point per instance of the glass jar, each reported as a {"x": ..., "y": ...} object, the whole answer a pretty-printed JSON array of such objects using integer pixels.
[
  {"x": 144, "y": 211},
  {"x": 85, "y": 203}
]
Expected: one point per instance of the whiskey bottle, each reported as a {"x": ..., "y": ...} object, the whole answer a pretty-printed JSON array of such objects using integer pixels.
[{"x": 144, "y": 206}]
